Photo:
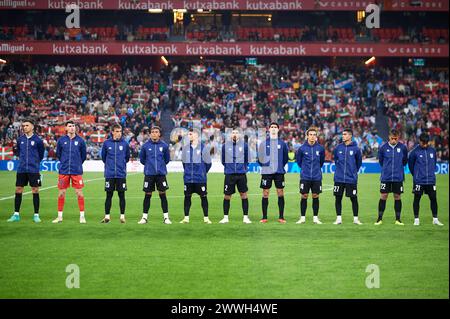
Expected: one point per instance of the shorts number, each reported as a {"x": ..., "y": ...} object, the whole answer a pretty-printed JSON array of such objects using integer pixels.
[
  {"x": 417, "y": 188},
  {"x": 383, "y": 186},
  {"x": 107, "y": 184},
  {"x": 146, "y": 184},
  {"x": 264, "y": 182},
  {"x": 185, "y": 187},
  {"x": 301, "y": 186},
  {"x": 336, "y": 189},
  {"x": 226, "y": 187}
]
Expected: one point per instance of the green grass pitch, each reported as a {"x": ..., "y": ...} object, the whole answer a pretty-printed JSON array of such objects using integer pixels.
[{"x": 221, "y": 261}]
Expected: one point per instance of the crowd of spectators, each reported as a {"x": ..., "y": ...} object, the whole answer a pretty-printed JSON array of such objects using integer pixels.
[
  {"x": 217, "y": 96},
  {"x": 207, "y": 32}
]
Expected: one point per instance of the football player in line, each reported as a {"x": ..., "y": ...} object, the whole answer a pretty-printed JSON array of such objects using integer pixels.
[
  {"x": 115, "y": 155},
  {"x": 235, "y": 162},
  {"x": 30, "y": 149},
  {"x": 196, "y": 164},
  {"x": 392, "y": 156},
  {"x": 273, "y": 156},
  {"x": 310, "y": 158},
  {"x": 71, "y": 152},
  {"x": 422, "y": 164},
  {"x": 155, "y": 156},
  {"x": 348, "y": 159}
]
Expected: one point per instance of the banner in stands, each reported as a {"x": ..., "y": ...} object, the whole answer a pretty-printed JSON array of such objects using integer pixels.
[
  {"x": 176, "y": 166},
  {"x": 324, "y": 5},
  {"x": 223, "y": 49}
]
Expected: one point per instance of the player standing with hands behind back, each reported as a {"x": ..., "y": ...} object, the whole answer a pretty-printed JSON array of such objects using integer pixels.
[
  {"x": 155, "y": 155},
  {"x": 235, "y": 162},
  {"x": 310, "y": 158},
  {"x": 71, "y": 152},
  {"x": 30, "y": 149},
  {"x": 196, "y": 164},
  {"x": 273, "y": 156},
  {"x": 422, "y": 164},
  {"x": 393, "y": 156},
  {"x": 348, "y": 159},
  {"x": 115, "y": 155}
]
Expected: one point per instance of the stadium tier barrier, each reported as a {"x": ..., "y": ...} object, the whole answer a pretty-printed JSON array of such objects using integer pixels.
[{"x": 217, "y": 167}]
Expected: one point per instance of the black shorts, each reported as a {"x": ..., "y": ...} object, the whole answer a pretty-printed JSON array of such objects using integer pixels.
[
  {"x": 350, "y": 189},
  {"x": 233, "y": 180},
  {"x": 199, "y": 188},
  {"x": 266, "y": 181},
  {"x": 115, "y": 184},
  {"x": 23, "y": 179},
  {"x": 314, "y": 186},
  {"x": 391, "y": 187},
  {"x": 152, "y": 182},
  {"x": 418, "y": 189}
]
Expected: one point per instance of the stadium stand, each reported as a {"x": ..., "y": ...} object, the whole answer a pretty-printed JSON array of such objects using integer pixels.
[{"x": 217, "y": 96}]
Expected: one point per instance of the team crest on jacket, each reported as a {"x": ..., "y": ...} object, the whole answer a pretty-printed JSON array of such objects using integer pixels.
[
  {"x": 279, "y": 146},
  {"x": 317, "y": 153},
  {"x": 240, "y": 149},
  {"x": 121, "y": 147},
  {"x": 431, "y": 155},
  {"x": 76, "y": 143},
  {"x": 351, "y": 152},
  {"x": 398, "y": 150},
  {"x": 32, "y": 143},
  {"x": 160, "y": 149},
  {"x": 198, "y": 152}
]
